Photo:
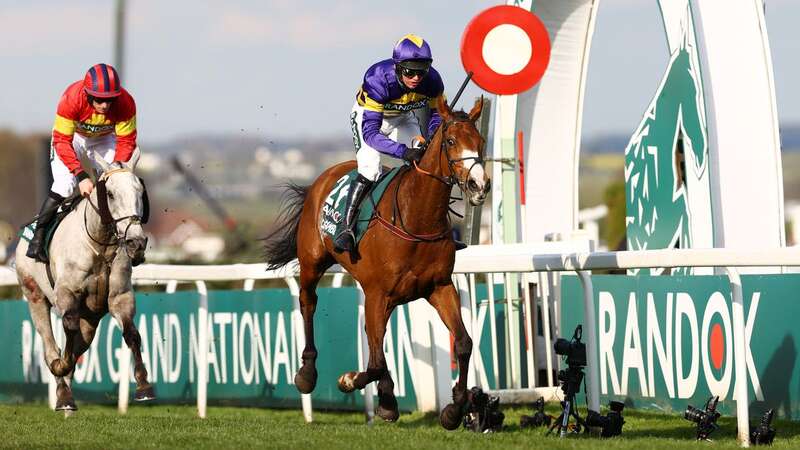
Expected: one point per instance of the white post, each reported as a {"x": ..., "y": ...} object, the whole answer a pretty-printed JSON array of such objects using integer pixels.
[
  {"x": 590, "y": 333},
  {"x": 52, "y": 398},
  {"x": 363, "y": 357},
  {"x": 548, "y": 342},
  {"x": 462, "y": 287},
  {"x": 493, "y": 328},
  {"x": 739, "y": 358},
  {"x": 248, "y": 285},
  {"x": 294, "y": 290},
  {"x": 172, "y": 285},
  {"x": 202, "y": 345},
  {"x": 124, "y": 377},
  {"x": 476, "y": 353},
  {"x": 530, "y": 310},
  {"x": 511, "y": 329}
]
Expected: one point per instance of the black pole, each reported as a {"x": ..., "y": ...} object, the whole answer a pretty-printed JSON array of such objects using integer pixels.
[{"x": 461, "y": 89}]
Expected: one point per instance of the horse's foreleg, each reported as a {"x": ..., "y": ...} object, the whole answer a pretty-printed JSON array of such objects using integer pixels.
[
  {"x": 70, "y": 320},
  {"x": 123, "y": 307},
  {"x": 39, "y": 308},
  {"x": 306, "y": 377},
  {"x": 447, "y": 304},
  {"x": 376, "y": 318}
]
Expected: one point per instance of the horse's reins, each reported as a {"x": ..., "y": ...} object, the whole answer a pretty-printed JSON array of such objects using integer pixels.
[{"x": 450, "y": 180}]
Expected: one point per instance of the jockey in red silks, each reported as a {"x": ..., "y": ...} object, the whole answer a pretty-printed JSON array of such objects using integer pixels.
[
  {"x": 396, "y": 97},
  {"x": 94, "y": 115}
]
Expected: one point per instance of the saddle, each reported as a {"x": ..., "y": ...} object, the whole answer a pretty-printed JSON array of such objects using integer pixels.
[{"x": 333, "y": 210}]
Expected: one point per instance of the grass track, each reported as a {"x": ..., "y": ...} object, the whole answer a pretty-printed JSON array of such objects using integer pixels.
[{"x": 34, "y": 426}]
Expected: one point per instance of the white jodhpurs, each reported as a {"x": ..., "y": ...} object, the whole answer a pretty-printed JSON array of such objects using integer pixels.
[
  {"x": 64, "y": 181},
  {"x": 401, "y": 128}
]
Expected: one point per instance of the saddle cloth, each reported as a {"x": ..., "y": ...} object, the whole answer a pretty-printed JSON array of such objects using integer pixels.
[
  {"x": 26, "y": 232},
  {"x": 333, "y": 211}
]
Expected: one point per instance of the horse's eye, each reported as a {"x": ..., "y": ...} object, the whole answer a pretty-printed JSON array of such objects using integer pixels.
[
  {"x": 451, "y": 142},
  {"x": 110, "y": 196}
]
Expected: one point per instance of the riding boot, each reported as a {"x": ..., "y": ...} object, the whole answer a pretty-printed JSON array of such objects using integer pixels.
[
  {"x": 37, "y": 248},
  {"x": 346, "y": 240}
]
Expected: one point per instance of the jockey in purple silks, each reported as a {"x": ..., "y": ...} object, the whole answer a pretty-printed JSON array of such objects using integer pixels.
[{"x": 397, "y": 95}]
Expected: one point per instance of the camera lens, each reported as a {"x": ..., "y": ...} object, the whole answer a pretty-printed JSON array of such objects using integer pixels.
[
  {"x": 562, "y": 346},
  {"x": 693, "y": 414}
]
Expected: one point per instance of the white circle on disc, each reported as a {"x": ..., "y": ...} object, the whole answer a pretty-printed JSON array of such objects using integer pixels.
[{"x": 507, "y": 49}]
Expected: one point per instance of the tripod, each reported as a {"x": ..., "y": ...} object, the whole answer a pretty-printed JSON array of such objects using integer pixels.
[{"x": 570, "y": 383}]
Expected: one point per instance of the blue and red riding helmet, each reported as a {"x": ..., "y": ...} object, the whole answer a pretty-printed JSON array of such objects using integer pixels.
[{"x": 102, "y": 81}]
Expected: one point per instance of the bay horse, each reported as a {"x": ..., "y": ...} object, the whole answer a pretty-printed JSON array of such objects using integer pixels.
[
  {"x": 90, "y": 266},
  {"x": 407, "y": 253}
]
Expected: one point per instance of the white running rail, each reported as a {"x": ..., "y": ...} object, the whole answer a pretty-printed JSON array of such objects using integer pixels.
[{"x": 515, "y": 258}]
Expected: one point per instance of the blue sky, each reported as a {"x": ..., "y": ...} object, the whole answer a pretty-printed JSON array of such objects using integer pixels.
[{"x": 284, "y": 68}]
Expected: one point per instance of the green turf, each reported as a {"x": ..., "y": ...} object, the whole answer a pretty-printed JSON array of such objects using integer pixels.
[{"x": 34, "y": 426}]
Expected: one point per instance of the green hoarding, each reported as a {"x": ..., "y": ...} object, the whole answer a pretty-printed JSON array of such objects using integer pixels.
[
  {"x": 665, "y": 342},
  {"x": 253, "y": 356}
]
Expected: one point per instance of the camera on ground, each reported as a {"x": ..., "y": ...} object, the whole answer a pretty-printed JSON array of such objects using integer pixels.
[
  {"x": 706, "y": 418},
  {"x": 611, "y": 423},
  {"x": 483, "y": 413},
  {"x": 764, "y": 433},
  {"x": 538, "y": 419}
]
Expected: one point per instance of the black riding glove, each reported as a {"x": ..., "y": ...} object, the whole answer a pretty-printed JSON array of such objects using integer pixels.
[{"x": 414, "y": 153}]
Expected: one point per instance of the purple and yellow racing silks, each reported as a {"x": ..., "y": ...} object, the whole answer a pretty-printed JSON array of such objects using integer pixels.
[{"x": 382, "y": 94}]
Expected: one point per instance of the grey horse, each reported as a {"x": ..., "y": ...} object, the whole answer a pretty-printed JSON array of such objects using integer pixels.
[{"x": 91, "y": 257}]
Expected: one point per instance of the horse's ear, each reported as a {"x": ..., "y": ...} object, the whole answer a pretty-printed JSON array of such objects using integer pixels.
[
  {"x": 131, "y": 164},
  {"x": 444, "y": 110},
  {"x": 476, "y": 110}
]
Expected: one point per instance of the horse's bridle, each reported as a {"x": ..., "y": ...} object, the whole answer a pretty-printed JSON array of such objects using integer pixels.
[
  {"x": 106, "y": 219},
  {"x": 451, "y": 179}
]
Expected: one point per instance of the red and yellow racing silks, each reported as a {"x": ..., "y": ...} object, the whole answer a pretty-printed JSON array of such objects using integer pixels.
[{"x": 76, "y": 115}]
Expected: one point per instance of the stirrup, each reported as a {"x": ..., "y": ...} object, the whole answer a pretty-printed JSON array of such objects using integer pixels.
[{"x": 345, "y": 241}]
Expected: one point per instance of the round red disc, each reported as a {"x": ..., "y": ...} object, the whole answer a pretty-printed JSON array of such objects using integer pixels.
[{"x": 474, "y": 59}]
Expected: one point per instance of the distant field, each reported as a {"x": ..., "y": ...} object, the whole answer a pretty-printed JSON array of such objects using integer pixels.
[
  {"x": 596, "y": 172},
  {"x": 34, "y": 426}
]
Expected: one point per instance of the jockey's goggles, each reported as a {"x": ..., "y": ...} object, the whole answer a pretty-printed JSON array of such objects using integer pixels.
[
  {"x": 102, "y": 99},
  {"x": 411, "y": 73}
]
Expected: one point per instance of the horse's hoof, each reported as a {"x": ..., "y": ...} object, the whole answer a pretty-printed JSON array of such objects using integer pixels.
[
  {"x": 389, "y": 415},
  {"x": 451, "y": 417},
  {"x": 60, "y": 367},
  {"x": 66, "y": 405},
  {"x": 306, "y": 379},
  {"x": 347, "y": 382},
  {"x": 144, "y": 393}
]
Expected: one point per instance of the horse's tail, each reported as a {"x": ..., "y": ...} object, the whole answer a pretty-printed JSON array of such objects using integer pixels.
[{"x": 280, "y": 245}]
